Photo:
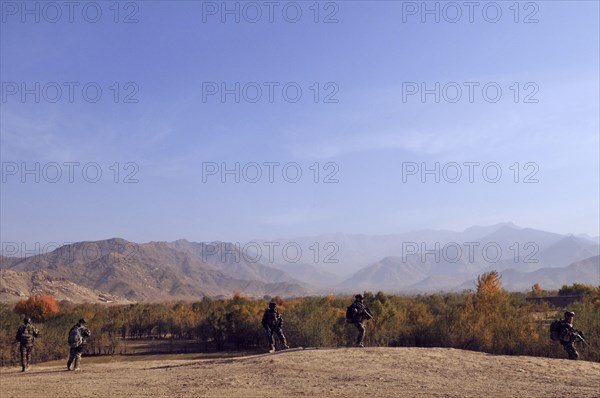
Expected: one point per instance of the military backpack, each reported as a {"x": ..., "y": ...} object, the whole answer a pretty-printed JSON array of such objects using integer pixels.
[
  {"x": 75, "y": 337},
  {"x": 351, "y": 313},
  {"x": 556, "y": 329}
]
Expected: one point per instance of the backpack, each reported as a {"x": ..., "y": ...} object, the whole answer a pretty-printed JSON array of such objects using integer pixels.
[
  {"x": 75, "y": 337},
  {"x": 350, "y": 313},
  {"x": 556, "y": 330}
]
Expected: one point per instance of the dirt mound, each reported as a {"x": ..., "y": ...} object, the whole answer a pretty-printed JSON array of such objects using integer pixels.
[{"x": 373, "y": 372}]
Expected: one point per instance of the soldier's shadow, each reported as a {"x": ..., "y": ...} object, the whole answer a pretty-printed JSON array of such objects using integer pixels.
[{"x": 41, "y": 372}]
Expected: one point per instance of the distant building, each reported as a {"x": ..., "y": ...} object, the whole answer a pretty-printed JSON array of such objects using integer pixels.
[{"x": 556, "y": 301}]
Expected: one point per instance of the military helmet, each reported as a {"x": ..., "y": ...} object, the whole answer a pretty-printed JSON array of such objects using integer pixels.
[
  {"x": 81, "y": 321},
  {"x": 272, "y": 305},
  {"x": 359, "y": 297},
  {"x": 569, "y": 314},
  {"x": 27, "y": 320}
]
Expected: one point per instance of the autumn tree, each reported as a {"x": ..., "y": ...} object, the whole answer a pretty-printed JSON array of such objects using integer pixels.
[
  {"x": 383, "y": 326},
  {"x": 488, "y": 285},
  {"x": 313, "y": 321},
  {"x": 576, "y": 289},
  {"x": 185, "y": 320},
  {"x": 37, "y": 307},
  {"x": 536, "y": 291}
]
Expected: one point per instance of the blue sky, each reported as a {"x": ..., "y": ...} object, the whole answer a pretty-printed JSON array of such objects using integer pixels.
[{"x": 170, "y": 56}]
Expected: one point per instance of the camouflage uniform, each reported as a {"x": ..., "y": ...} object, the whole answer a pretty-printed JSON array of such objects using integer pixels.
[
  {"x": 272, "y": 322},
  {"x": 361, "y": 314},
  {"x": 26, "y": 335},
  {"x": 567, "y": 339},
  {"x": 76, "y": 350}
]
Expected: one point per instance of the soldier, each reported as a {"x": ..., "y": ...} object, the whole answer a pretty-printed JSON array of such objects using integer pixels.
[
  {"x": 272, "y": 322},
  {"x": 26, "y": 335},
  {"x": 568, "y": 335},
  {"x": 357, "y": 313},
  {"x": 77, "y": 341}
]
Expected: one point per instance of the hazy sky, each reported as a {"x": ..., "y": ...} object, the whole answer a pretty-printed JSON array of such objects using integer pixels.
[{"x": 185, "y": 95}]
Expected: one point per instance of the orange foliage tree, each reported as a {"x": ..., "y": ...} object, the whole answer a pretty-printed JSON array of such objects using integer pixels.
[
  {"x": 536, "y": 291},
  {"x": 489, "y": 286},
  {"x": 38, "y": 307}
]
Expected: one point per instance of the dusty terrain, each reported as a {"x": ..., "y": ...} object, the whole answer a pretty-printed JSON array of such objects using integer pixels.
[{"x": 371, "y": 372}]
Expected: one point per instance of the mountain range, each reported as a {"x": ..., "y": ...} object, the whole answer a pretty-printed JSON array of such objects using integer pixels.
[
  {"x": 116, "y": 270},
  {"x": 154, "y": 271}
]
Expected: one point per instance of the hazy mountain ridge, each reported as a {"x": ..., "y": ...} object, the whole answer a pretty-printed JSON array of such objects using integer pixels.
[
  {"x": 352, "y": 252},
  {"x": 417, "y": 261},
  {"x": 389, "y": 273},
  {"x": 310, "y": 274},
  {"x": 230, "y": 259},
  {"x": 454, "y": 264},
  {"x": 584, "y": 271}
]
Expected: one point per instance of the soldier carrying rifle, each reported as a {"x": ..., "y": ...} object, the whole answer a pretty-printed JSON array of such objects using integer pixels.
[
  {"x": 272, "y": 322},
  {"x": 356, "y": 314},
  {"x": 77, "y": 342},
  {"x": 26, "y": 335},
  {"x": 567, "y": 335}
]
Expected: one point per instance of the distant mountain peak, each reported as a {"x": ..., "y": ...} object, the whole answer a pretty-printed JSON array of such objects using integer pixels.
[
  {"x": 493, "y": 228},
  {"x": 509, "y": 226}
]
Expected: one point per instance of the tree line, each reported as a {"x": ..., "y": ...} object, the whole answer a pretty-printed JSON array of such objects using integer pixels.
[{"x": 486, "y": 319}]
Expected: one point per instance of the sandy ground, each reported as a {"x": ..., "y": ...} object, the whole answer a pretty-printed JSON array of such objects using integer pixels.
[{"x": 343, "y": 372}]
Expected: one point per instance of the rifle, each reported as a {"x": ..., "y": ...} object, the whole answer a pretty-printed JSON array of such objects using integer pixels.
[{"x": 579, "y": 337}]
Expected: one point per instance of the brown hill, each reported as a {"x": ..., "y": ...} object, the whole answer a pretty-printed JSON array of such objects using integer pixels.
[
  {"x": 372, "y": 372},
  {"x": 15, "y": 285},
  {"x": 153, "y": 271},
  {"x": 7, "y": 262}
]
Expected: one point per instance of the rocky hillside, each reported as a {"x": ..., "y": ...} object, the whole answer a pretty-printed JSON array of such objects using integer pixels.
[{"x": 155, "y": 271}]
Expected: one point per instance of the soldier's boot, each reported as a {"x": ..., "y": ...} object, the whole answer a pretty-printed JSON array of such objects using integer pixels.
[
  {"x": 571, "y": 351},
  {"x": 284, "y": 344},
  {"x": 573, "y": 355},
  {"x": 76, "y": 364},
  {"x": 272, "y": 348}
]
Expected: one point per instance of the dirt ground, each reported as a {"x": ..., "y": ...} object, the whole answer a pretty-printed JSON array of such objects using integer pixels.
[{"x": 342, "y": 372}]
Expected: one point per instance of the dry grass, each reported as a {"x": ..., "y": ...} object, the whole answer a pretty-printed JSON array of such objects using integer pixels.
[{"x": 373, "y": 372}]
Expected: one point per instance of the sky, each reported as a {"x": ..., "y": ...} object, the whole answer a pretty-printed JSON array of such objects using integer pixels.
[{"x": 160, "y": 120}]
